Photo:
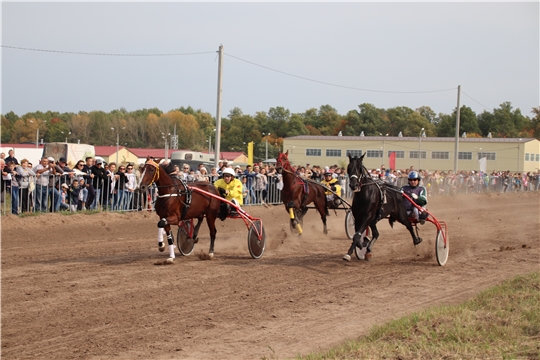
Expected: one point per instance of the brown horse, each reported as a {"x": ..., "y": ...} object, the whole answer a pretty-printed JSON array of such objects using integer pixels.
[
  {"x": 178, "y": 202},
  {"x": 297, "y": 193}
]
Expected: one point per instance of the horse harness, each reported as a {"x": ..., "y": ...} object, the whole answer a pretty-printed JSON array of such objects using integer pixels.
[
  {"x": 379, "y": 184},
  {"x": 179, "y": 192},
  {"x": 299, "y": 181}
]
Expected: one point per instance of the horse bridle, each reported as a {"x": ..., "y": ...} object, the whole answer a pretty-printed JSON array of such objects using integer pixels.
[{"x": 156, "y": 174}]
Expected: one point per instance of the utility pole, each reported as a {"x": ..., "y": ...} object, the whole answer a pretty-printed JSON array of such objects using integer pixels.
[
  {"x": 218, "y": 110},
  {"x": 457, "y": 133}
]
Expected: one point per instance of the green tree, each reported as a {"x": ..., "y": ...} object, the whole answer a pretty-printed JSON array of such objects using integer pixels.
[
  {"x": 278, "y": 118},
  {"x": 331, "y": 119},
  {"x": 535, "y": 123},
  {"x": 504, "y": 122}
]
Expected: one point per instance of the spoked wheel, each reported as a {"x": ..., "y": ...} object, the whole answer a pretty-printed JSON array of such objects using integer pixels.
[
  {"x": 256, "y": 247},
  {"x": 185, "y": 244},
  {"x": 361, "y": 253},
  {"x": 441, "y": 249},
  {"x": 349, "y": 224}
]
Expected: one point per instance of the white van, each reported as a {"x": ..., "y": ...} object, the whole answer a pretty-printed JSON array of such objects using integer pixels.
[{"x": 192, "y": 158}]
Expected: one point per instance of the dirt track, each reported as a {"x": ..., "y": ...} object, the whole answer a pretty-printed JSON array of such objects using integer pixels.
[{"x": 86, "y": 286}]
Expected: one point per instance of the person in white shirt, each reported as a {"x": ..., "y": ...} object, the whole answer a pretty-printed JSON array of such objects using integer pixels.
[{"x": 130, "y": 187}]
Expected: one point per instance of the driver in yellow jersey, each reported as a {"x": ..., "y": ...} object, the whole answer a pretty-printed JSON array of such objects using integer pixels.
[
  {"x": 332, "y": 183},
  {"x": 231, "y": 189}
]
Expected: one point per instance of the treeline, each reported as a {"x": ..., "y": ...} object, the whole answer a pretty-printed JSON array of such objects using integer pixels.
[{"x": 195, "y": 128}]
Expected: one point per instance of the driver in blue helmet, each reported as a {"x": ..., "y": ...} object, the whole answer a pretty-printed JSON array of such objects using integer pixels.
[{"x": 419, "y": 195}]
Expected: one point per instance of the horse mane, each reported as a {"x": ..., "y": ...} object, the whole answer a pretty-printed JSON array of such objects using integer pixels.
[{"x": 169, "y": 168}]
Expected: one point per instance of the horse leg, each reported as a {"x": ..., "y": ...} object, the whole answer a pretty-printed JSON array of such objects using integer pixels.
[
  {"x": 160, "y": 234},
  {"x": 374, "y": 238},
  {"x": 196, "y": 230},
  {"x": 416, "y": 239},
  {"x": 170, "y": 241},
  {"x": 211, "y": 221},
  {"x": 323, "y": 211},
  {"x": 295, "y": 216},
  {"x": 359, "y": 228}
]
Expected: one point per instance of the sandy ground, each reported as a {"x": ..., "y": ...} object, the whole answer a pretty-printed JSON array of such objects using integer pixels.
[{"x": 87, "y": 287}]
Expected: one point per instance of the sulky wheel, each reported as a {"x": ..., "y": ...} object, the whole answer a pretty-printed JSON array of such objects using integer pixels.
[
  {"x": 256, "y": 247},
  {"x": 349, "y": 224},
  {"x": 185, "y": 243},
  {"x": 441, "y": 249}
]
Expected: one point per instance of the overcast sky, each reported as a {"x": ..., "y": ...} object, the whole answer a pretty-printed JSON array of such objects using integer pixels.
[{"x": 295, "y": 55}]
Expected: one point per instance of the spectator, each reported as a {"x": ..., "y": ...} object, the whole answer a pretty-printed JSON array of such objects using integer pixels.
[
  {"x": 26, "y": 178},
  {"x": 111, "y": 182},
  {"x": 88, "y": 178},
  {"x": 67, "y": 173},
  {"x": 54, "y": 186},
  {"x": 11, "y": 157},
  {"x": 244, "y": 189},
  {"x": 83, "y": 195},
  {"x": 130, "y": 187},
  {"x": 73, "y": 195},
  {"x": 64, "y": 203},
  {"x": 119, "y": 188},
  {"x": 185, "y": 172},
  {"x": 250, "y": 175},
  {"x": 78, "y": 170},
  {"x": 260, "y": 185},
  {"x": 213, "y": 175},
  {"x": 42, "y": 170},
  {"x": 98, "y": 177},
  {"x": 204, "y": 175},
  {"x": 12, "y": 175},
  {"x": 3, "y": 183}
]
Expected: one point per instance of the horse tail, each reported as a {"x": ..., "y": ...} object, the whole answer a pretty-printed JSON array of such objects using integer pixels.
[{"x": 391, "y": 221}]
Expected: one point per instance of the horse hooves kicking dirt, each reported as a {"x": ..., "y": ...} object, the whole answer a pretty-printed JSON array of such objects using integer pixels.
[
  {"x": 169, "y": 261},
  {"x": 205, "y": 256}
]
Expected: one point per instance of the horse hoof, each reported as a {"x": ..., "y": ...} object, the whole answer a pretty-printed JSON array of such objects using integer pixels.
[
  {"x": 161, "y": 247},
  {"x": 170, "y": 260},
  {"x": 368, "y": 256},
  {"x": 347, "y": 257},
  {"x": 417, "y": 241},
  {"x": 196, "y": 240},
  {"x": 211, "y": 254}
]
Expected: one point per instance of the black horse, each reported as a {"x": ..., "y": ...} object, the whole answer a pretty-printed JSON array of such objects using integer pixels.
[{"x": 373, "y": 200}]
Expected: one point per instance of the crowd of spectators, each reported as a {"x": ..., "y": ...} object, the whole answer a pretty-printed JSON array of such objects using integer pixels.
[{"x": 51, "y": 186}]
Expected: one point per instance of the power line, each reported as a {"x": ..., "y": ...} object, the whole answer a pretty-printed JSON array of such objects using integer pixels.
[
  {"x": 340, "y": 86},
  {"x": 474, "y": 100},
  {"x": 102, "y": 54}
]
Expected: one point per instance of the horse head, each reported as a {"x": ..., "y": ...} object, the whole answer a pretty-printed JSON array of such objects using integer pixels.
[
  {"x": 282, "y": 162},
  {"x": 149, "y": 174},
  {"x": 355, "y": 172}
]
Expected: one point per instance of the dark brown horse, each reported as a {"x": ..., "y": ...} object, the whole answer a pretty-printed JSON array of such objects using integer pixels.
[
  {"x": 373, "y": 201},
  {"x": 297, "y": 193},
  {"x": 178, "y": 202}
]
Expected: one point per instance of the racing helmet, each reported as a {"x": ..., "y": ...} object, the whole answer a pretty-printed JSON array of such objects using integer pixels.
[
  {"x": 414, "y": 175},
  {"x": 229, "y": 171}
]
